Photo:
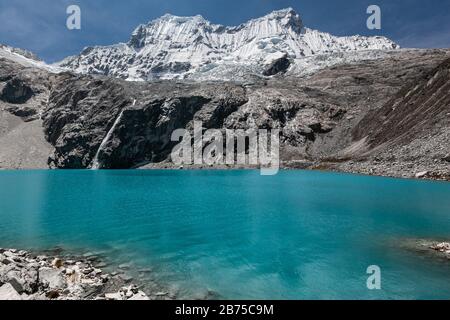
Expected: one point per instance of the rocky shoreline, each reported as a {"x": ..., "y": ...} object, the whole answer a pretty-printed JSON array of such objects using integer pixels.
[
  {"x": 437, "y": 171},
  {"x": 403, "y": 170},
  {"x": 34, "y": 276}
]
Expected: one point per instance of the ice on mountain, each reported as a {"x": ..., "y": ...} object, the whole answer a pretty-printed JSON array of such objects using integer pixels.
[{"x": 192, "y": 47}]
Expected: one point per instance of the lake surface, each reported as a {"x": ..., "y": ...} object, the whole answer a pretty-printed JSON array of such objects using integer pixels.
[{"x": 296, "y": 235}]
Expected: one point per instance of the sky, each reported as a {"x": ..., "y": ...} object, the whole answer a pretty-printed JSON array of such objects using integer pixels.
[{"x": 40, "y": 26}]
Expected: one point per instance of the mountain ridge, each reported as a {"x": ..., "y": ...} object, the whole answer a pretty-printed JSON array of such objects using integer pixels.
[{"x": 173, "y": 47}]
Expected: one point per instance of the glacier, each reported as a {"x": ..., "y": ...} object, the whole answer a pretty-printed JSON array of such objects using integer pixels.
[{"x": 173, "y": 47}]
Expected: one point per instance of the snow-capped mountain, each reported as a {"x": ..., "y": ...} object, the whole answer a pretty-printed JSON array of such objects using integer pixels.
[
  {"x": 25, "y": 58},
  {"x": 192, "y": 47}
]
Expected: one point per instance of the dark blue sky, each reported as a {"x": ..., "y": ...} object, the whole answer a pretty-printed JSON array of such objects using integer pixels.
[{"x": 40, "y": 26}]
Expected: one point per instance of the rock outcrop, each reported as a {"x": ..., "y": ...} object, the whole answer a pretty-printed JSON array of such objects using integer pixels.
[{"x": 277, "y": 66}]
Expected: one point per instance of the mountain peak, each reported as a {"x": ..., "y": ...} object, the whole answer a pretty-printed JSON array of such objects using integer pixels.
[
  {"x": 286, "y": 18},
  {"x": 163, "y": 27},
  {"x": 289, "y": 11},
  {"x": 168, "y": 17}
]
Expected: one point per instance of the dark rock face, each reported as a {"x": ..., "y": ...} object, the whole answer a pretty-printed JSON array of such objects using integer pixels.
[
  {"x": 278, "y": 66},
  {"x": 16, "y": 91},
  {"x": 83, "y": 110},
  {"x": 143, "y": 134},
  {"x": 80, "y": 112}
]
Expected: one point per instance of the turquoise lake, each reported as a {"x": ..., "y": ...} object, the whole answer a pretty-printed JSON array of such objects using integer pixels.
[{"x": 296, "y": 235}]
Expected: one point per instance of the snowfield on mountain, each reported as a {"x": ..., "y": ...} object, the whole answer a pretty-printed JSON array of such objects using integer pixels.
[{"x": 174, "y": 47}]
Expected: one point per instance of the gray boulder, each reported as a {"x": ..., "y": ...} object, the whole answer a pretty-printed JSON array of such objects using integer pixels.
[
  {"x": 7, "y": 292},
  {"x": 52, "y": 278}
]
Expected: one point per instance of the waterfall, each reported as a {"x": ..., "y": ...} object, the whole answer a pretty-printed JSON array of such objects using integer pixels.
[{"x": 96, "y": 163}]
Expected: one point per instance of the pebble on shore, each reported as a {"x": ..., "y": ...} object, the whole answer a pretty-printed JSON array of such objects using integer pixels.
[{"x": 24, "y": 276}]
